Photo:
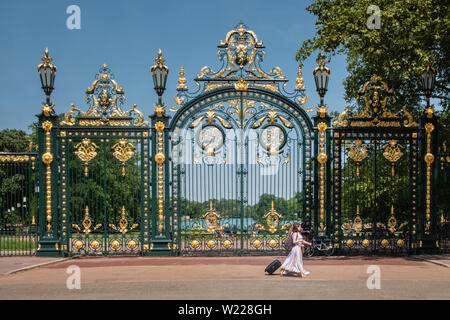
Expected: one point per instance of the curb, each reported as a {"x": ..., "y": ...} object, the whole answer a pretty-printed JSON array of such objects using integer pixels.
[
  {"x": 433, "y": 261},
  {"x": 35, "y": 266}
]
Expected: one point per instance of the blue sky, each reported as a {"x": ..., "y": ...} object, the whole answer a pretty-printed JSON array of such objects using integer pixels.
[{"x": 126, "y": 36}]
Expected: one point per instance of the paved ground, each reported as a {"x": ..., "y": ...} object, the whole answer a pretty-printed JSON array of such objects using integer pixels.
[
  {"x": 12, "y": 264},
  {"x": 230, "y": 278}
]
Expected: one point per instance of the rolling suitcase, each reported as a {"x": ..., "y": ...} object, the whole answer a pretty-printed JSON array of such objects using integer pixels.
[{"x": 273, "y": 266}]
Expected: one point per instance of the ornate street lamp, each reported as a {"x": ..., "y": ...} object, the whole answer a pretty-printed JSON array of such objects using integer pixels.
[
  {"x": 428, "y": 80},
  {"x": 321, "y": 75},
  {"x": 47, "y": 73},
  {"x": 159, "y": 72}
]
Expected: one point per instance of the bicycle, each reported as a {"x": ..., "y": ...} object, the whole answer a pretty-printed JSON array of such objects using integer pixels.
[{"x": 321, "y": 246}]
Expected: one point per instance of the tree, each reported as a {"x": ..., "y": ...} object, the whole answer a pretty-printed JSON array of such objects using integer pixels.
[
  {"x": 16, "y": 181},
  {"x": 410, "y": 33},
  {"x": 13, "y": 140}
]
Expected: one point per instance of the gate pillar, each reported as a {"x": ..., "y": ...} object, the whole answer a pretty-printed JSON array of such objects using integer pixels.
[
  {"x": 429, "y": 173},
  {"x": 322, "y": 177},
  {"x": 48, "y": 245},
  {"x": 161, "y": 234},
  {"x": 48, "y": 170},
  {"x": 322, "y": 218}
]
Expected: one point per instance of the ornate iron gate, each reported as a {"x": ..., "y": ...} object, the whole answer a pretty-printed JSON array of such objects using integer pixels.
[
  {"x": 104, "y": 174},
  {"x": 241, "y": 154},
  {"x": 18, "y": 204},
  {"x": 376, "y": 176},
  {"x": 233, "y": 168}
]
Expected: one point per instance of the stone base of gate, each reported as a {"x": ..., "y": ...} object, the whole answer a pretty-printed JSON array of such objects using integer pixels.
[
  {"x": 428, "y": 246},
  {"x": 48, "y": 249},
  {"x": 160, "y": 249}
]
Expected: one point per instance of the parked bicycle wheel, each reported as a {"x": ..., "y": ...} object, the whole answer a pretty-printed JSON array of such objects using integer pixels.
[
  {"x": 309, "y": 251},
  {"x": 329, "y": 252}
]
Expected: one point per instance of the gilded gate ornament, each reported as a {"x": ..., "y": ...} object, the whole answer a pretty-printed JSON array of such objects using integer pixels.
[
  {"x": 105, "y": 99},
  {"x": 211, "y": 116},
  {"x": 393, "y": 153},
  {"x": 47, "y": 159},
  {"x": 123, "y": 223},
  {"x": 272, "y": 219},
  {"x": 357, "y": 222},
  {"x": 241, "y": 54},
  {"x": 392, "y": 222},
  {"x": 212, "y": 218},
  {"x": 272, "y": 115},
  {"x": 86, "y": 151},
  {"x": 377, "y": 99},
  {"x": 357, "y": 153},
  {"x": 182, "y": 81},
  {"x": 86, "y": 223},
  {"x": 123, "y": 151},
  {"x": 429, "y": 159},
  {"x": 247, "y": 110}
]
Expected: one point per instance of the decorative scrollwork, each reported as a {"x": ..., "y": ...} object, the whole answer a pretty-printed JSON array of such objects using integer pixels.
[
  {"x": 272, "y": 219},
  {"x": 247, "y": 110},
  {"x": 358, "y": 153},
  {"x": 105, "y": 99},
  {"x": 86, "y": 151},
  {"x": 375, "y": 112},
  {"x": 392, "y": 153},
  {"x": 241, "y": 55},
  {"x": 123, "y": 223},
  {"x": 392, "y": 222},
  {"x": 272, "y": 115},
  {"x": 212, "y": 218},
  {"x": 123, "y": 151},
  {"x": 86, "y": 223},
  {"x": 210, "y": 116},
  {"x": 241, "y": 51},
  {"x": 357, "y": 222}
]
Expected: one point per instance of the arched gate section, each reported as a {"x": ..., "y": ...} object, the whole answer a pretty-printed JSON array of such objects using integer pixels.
[{"x": 241, "y": 167}]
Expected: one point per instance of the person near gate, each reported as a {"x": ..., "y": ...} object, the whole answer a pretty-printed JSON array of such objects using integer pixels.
[{"x": 294, "y": 261}]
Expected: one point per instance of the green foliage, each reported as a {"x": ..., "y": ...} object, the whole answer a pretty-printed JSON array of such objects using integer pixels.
[
  {"x": 411, "y": 32},
  {"x": 375, "y": 203},
  {"x": 231, "y": 208},
  {"x": 104, "y": 190},
  {"x": 16, "y": 180},
  {"x": 13, "y": 140}
]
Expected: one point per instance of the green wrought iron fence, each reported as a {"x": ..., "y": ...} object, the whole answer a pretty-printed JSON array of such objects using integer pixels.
[{"x": 18, "y": 204}]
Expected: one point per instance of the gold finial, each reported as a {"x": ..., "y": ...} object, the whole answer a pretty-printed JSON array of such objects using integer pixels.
[
  {"x": 182, "y": 81},
  {"x": 357, "y": 209},
  {"x": 159, "y": 62},
  {"x": 46, "y": 61},
  {"x": 210, "y": 205},
  {"x": 272, "y": 206},
  {"x": 392, "y": 209},
  {"x": 321, "y": 64},
  {"x": 105, "y": 66},
  {"x": 299, "y": 82}
]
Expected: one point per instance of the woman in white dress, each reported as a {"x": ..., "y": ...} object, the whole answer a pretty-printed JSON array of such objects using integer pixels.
[{"x": 294, "y": 261}]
